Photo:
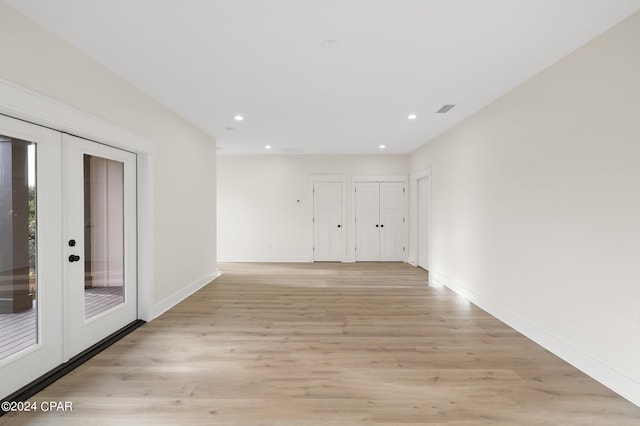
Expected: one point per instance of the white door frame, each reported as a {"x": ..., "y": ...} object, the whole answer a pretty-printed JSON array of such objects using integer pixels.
[
  {"x": 23, "y": 104},
  {"x": 414, "y": 239},
  {"x": 405, "y": 208},
  {"x": 328, "y": 179},
  {"x": 424, "y": 228}
]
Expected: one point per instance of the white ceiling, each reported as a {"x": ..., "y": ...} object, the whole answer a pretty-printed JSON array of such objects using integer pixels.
[{"x": 209, "y": 60}]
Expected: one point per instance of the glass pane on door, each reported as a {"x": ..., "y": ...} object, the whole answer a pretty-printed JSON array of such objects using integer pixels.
[
  {"x": 18, "y": 266},
  {"x": 103, "y": 234}
]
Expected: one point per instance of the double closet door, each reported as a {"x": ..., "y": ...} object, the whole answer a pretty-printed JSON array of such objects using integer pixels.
[
  {"x": 379, "y": 221},
  {"x": 68, "y": 269}
]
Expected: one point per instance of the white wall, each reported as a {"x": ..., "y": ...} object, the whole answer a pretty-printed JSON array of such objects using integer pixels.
[
  {"x": 536, "y": 208},
  {"x": 259, "y": 218},
  {"x": 184, "y": 159}
]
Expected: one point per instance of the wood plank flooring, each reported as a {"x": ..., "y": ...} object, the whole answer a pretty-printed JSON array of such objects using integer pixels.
[{"x": 327, "y": 344}]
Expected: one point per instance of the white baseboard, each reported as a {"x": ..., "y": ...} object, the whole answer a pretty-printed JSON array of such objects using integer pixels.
[
  {"x": 412, "y": 261},
  {"x": 437, "y": 280},
  {"x": 177, "y": 297},
  {"x": 281, "y": 259},
  {"x": 348, "y": 259},
  {"x": 611, "y": 378}
]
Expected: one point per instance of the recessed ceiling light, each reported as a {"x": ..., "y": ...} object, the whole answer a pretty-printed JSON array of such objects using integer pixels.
[
  {"x": 383, "y": 146},
  {"x": 267, "y": 147},
  {"x": 238, "y": 117},
  {"x": 412, "y": 117}
]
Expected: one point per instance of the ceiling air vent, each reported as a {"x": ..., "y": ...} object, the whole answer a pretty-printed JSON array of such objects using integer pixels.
[{"x": 444, "y": 109}]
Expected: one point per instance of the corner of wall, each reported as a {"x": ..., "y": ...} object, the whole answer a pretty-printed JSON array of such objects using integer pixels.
[
  {"x": 172, "y": 300},
  {"x": 614, "y": 380}
]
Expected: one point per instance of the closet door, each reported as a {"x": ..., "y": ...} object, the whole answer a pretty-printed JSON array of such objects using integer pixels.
[
  {"x": 391, "y": 221},
  {"x": 367, "y": 221},
  {"x": 327, "y": 221}
]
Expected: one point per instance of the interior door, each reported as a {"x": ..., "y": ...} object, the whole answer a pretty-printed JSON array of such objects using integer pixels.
[
  {"x": 379, "y": 221},
  {"x": 423, "y": 223},
  {"x": 100, "y": 242},
  {"x": 391, "y": 221},
  {"x": 327, "y": 221},
  {"x": 367, "y": 221},
  {"x": 30, "y": 267}
]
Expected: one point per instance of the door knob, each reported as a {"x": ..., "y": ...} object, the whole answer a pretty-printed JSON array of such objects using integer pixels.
[
  {"x": 74, "y": 258},
  {"x": 381, "y": 226},
  {"x": 339, "y": 226},
  {"x": 377, "y": 226}
]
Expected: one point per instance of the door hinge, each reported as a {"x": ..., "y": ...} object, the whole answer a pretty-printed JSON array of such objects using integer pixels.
[
  {"x": 313, "y": 219},
  {"x": 403, "y": 220},
  {"x": 403, "y": 190},
  {"x": 402, "y": 248}
]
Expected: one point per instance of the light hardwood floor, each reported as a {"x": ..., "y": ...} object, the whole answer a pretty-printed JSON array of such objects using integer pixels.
[{"x": 328, "y": 344}]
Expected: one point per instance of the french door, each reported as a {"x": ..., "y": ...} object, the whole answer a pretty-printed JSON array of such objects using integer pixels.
[
  {"x": 67, "y": 248},
  {"x": 31, "y": 265},
  {"x": 100, "y": 241}
]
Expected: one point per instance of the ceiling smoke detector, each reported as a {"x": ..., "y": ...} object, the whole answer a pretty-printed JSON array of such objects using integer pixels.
[
  {"x": 329, "y": 44},
  {"x": 445, "y": 109}
]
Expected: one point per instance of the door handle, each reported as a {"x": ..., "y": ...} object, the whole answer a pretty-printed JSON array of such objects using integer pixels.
[{"x": 74, "y": 258}]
